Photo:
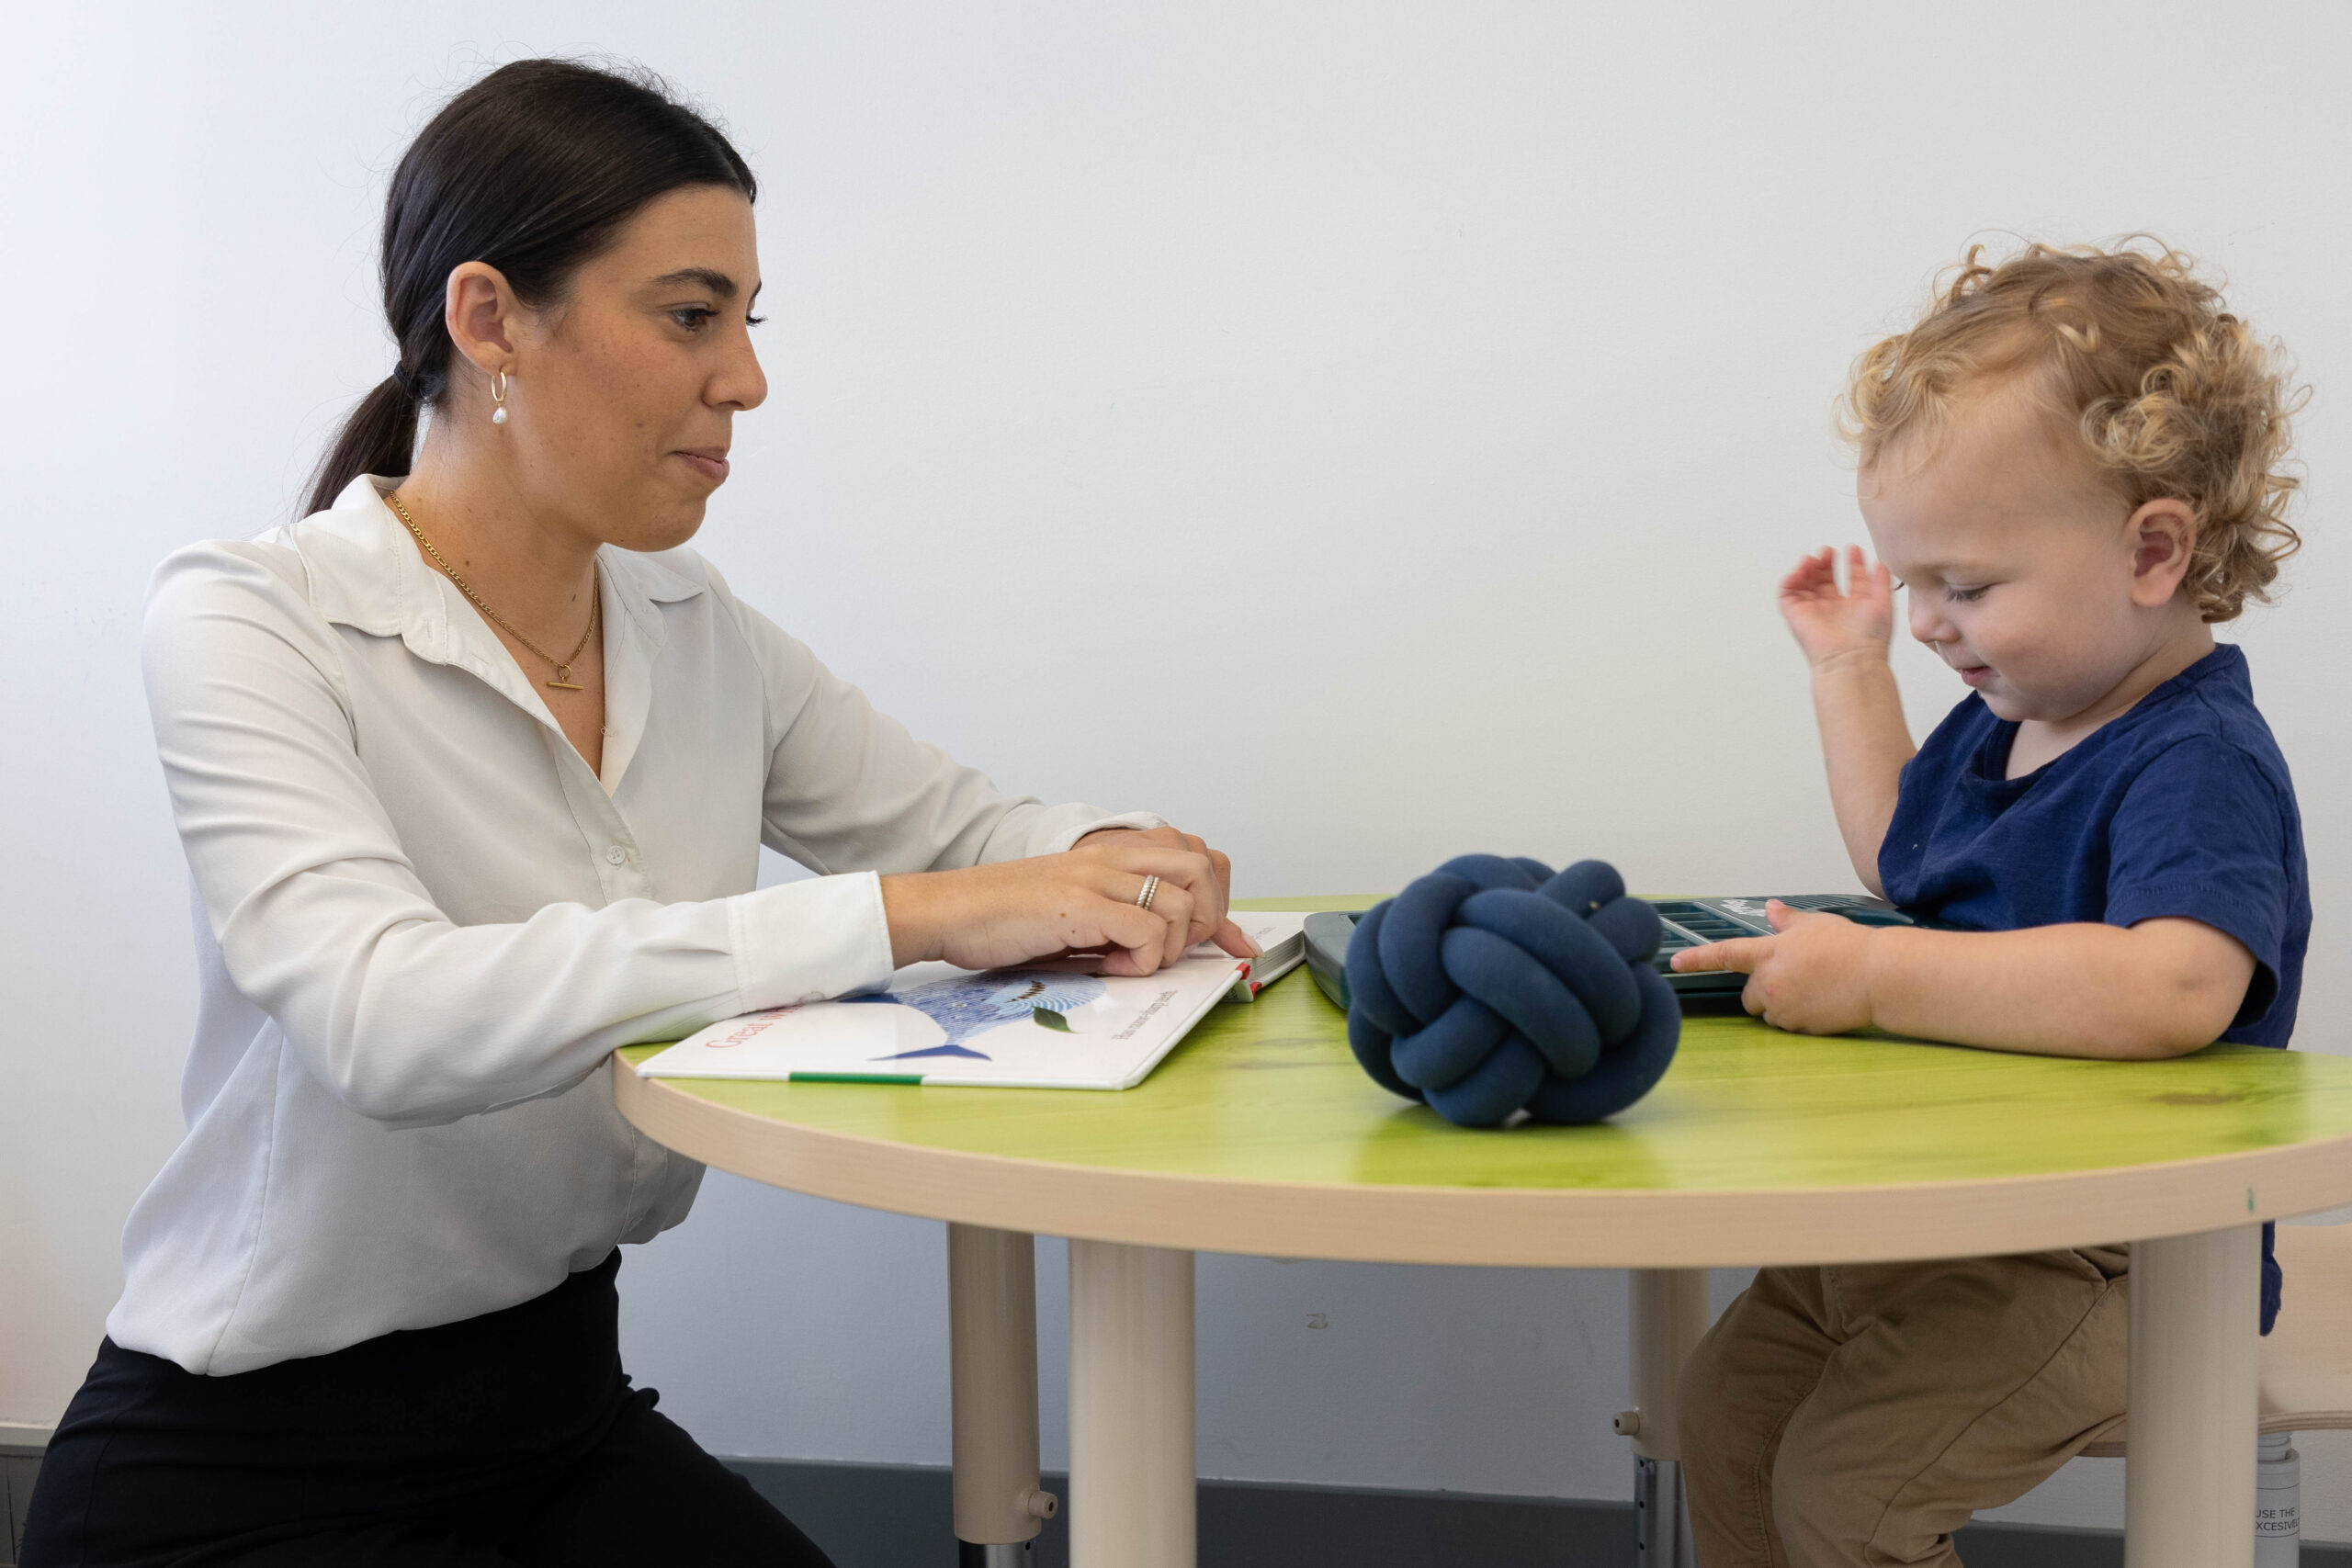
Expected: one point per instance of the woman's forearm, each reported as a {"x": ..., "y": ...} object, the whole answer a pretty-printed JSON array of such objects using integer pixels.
[
  {"x": 2161, "y": 988},
  {"x": 1864, "y": 742}
]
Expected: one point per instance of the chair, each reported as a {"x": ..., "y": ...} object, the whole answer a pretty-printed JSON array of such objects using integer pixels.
[
  {"x": 2306, "y": 1360},
  {"x": 2304, "y": 1374}
]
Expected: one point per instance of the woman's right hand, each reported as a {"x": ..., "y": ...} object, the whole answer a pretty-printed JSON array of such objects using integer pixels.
[
  {"x": 1020, "y": 912},
  {"x": 1831, "y": 623}
]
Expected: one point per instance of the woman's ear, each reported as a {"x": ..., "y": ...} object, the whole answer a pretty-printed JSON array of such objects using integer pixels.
[
  {"x": 480, "y": 312},
  {"x": 2163, "y": 538}
]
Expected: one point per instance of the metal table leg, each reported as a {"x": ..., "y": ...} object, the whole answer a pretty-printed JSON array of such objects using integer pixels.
[
  {"x": 2188, "y": 1468},
  {"x": 992, "y": 1356},
  {"x": 1668, "y": 1315},
  {"x": 1131, "y": 1476}
]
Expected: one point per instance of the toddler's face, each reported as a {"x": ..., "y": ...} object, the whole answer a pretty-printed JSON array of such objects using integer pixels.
[{"x": 2014, "y": 551}]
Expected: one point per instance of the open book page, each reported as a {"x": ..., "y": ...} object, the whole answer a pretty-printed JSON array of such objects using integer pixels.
[{"x": 1008, "y": 1028}]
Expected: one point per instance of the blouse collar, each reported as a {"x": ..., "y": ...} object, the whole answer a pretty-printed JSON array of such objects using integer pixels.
[{"x": 366, "y": 572}]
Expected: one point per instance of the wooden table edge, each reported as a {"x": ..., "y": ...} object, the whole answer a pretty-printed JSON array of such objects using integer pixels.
[{"x": 1500, "y": 1227}]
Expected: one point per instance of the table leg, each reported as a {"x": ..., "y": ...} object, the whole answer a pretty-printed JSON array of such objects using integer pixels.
[
  {"x": 1668, "y": 1315},
  {"x": 1131, "y": 1476},
  {"x": 992, "y": 1359},
  {"x": 2188, "y": 1471}
]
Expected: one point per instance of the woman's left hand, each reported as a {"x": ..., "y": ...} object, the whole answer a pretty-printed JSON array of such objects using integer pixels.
[{"x": 1209, "y": 919}]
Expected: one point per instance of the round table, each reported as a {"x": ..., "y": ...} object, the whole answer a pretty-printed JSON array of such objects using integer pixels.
[{"x": 1260, "y": 1135}]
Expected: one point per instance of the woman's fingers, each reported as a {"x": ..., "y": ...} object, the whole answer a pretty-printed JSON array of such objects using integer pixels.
[
  {"x": 1186, "y": 866},
  {"x": 1054, "y": 908},
  {"x": 1140, "y": 934},
  {"x": 1193, "y": 871},
  {"x": 1209, "y": 901},
  {"x": 1235, "y": 941},
  {"x": 1173, "y": 856},
  {"x": 1150, "y": 939},
  {"x": 1152, "y": 934},
  {"x": 1173, "y": 904}
]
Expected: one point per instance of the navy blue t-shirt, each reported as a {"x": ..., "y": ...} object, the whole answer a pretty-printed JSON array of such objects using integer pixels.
[{"x": 2182, "y": 806}]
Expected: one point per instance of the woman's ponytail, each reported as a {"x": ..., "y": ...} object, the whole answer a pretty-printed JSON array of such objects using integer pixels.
[
  {"x": 379, "y": 438},
  {"x": 532, "y": 169}
]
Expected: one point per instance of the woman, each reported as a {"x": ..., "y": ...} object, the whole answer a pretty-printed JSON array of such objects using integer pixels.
[{"x": 472, "y": 766}]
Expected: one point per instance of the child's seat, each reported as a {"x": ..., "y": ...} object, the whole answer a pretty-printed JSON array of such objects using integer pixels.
[{"x": 2305, "y": 1366}]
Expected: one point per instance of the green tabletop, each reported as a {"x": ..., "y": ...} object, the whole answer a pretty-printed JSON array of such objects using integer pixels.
[{"x": 1266, "y": 1096}]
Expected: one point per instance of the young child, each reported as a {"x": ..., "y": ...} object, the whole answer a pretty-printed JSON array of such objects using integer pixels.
[{"x": 2071, "y": 463}]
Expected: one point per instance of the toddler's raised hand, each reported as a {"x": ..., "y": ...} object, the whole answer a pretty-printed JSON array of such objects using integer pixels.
[{"x": 1830, "y": 623}]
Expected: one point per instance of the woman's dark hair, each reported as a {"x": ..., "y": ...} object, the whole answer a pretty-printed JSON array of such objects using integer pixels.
[{"x": 533, "y": 169}]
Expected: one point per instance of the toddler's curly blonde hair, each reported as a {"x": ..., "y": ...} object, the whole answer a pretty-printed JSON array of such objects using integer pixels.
[{"x": 2174, "y": 395}]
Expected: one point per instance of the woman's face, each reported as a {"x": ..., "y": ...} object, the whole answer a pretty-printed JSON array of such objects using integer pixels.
[{"x": 622, "y": 399}]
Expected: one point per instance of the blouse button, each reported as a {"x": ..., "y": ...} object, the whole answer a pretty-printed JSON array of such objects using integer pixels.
[{"x": 615, "y": 855}]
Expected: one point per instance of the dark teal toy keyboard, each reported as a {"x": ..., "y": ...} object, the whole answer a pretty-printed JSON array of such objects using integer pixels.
[{"x": 1689, "y": 922}]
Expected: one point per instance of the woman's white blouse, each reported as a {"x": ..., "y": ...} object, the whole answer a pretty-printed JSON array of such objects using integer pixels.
[{"x": 422, "y": 923}]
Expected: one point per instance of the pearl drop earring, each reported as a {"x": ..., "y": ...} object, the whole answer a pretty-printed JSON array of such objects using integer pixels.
[{"x": 498, "y": 397}]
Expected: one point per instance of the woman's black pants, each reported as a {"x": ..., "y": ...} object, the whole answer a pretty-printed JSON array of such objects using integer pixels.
[{"x": 509, "y": 1439}]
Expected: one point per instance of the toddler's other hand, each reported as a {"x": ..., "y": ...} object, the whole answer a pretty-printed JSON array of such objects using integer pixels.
[
  {"x": 1830, "y": 624},
  {"x": 1809, "y": 979}
]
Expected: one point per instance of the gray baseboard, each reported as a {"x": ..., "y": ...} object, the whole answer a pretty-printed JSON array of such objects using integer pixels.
[
  {"x": 17, "y": 1473},
  {"x": 20, "y": 1451},
  {"x": 900, "y": 1515},
  {"x": 876, "y": 1516}
]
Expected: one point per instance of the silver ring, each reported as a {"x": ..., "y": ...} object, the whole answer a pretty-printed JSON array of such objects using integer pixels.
[{"x": 1150, "y": 888}]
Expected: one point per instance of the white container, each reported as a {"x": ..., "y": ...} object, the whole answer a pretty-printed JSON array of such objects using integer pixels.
[{"x": 2277, "y": 1503}]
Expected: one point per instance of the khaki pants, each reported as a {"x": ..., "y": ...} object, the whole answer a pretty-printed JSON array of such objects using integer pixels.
[{"x": 1855, "y": 1416}]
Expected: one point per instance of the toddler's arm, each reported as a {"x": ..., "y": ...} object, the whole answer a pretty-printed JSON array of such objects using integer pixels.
[
  {"x": 2162, "y": 987},
  {"x": 1863, "y": 739}
]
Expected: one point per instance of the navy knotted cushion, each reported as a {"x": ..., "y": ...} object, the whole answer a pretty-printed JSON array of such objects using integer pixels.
[{"x": 1491, "y": 985}]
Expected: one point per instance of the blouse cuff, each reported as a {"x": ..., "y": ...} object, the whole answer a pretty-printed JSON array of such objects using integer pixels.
[
  {"x": 1143, "y": 820},
  {"x": 807, "y": 941}
]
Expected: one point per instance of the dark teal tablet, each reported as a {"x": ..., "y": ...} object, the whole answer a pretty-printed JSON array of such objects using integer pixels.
[{"x": 1689, "y": 922}]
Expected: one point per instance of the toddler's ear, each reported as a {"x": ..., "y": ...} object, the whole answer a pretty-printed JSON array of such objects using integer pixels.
[{"x": 2163, "y": 536}]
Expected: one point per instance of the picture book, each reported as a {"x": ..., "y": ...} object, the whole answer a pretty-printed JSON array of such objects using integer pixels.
[{"x": 1002, "y": 1028}]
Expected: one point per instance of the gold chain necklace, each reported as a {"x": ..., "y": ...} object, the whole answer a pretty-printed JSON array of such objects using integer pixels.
[{"x": 562, "y": 682}]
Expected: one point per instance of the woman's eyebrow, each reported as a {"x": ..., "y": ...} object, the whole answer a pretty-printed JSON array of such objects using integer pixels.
[{"x": 718, "y": 282}]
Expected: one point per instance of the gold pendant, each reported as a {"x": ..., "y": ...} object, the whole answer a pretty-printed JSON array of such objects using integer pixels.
[{"x": 562, "y": 682}]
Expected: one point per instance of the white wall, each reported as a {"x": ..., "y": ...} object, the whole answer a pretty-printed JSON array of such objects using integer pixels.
[{"x": 1363, "y": 433}]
